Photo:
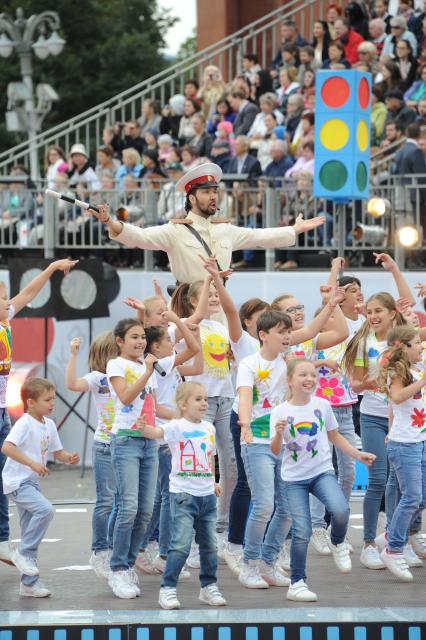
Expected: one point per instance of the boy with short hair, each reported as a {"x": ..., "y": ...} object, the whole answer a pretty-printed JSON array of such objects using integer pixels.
[{"x": 26, "y": 447}]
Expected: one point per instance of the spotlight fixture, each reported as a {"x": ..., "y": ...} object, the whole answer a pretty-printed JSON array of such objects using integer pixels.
[{"x": 378, "y": 207}]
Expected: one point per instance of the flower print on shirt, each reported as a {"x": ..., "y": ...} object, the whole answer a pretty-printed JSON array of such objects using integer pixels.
[
  {"x": 305, "y": 428},
  {"x": 330, "y": 389},
  {"x": 418, "y": 418}
]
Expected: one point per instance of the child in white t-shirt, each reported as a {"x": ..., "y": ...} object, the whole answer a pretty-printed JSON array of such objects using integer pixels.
[
  {"x": 27, "y": 446},
  {"x": 306, "y": 424},
  {"x": 193, "y": 490},
  {"x": 102, "y": 349}
]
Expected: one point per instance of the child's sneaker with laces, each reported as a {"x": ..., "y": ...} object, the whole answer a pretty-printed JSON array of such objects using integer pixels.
[
  {"x": 24, "y": 564},
  {"x": 212, "y": 596},
  {"x": 119, "y": 581},
  {"x": 134, "y": 580},
  {"x": 320, "y": 540},
  {"x": 99, "y": 561},
  {"x": 167, "y": 598},
  {"x": 250, "y": 576},
  {"x": 273, "y": 575},
  {"x": 232, "y": 557},
  {"x": 418, "y": 542},
  {"x": 370, "y": 558},
  {"x": 36, "y": 590},
  {"x": 411, "y": 557}
]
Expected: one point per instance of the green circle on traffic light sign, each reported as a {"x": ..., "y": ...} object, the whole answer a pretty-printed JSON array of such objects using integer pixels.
[
  {"x": 361, "y": 176},
  {"x": 333, "y": 175}
]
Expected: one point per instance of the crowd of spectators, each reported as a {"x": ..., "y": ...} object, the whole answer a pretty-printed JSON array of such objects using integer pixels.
[{"x": 260, "y": 126}]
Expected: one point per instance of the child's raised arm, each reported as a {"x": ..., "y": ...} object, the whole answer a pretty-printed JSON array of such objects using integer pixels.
[
  {"x": 390, "y": 265},
  {"x": 72, "y": 382},
  {"x": 192, "y": 345},
  {"x": 234, "y": 323},
  {"x": 398, "y": 393},
  {"x": 28, "y": 293},
  {"x": 135, "y": 303}
]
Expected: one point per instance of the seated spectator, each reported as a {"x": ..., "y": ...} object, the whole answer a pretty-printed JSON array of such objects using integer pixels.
[
  {"x": 417, "y": 91},
  {"x": 245, "y": 110},
  {"x": 393, "y": 134},
  {"x": 377, "y": 30},
  {"x": 133, "y": 199},
  {"x": 289, "y": 56},
  {"x": 367, "y": 53},
  {"x": 150, "y": 137},
  {"x": 131, "y": 165},
  {"x": 321, "y": 41},
  {"x": 380, "y": 10},
  {"x": 388, "y": 76},
  {"x": 267, "y": 103},
  {"x": 407, "y": 64},
  {"x": 225, "y": 131},
  {"x": 308, "y": 85},
  {"x": 406, "y": 10},
  {"x": 295, "y": 109},
  {"x": 304, "y": 133},
  {"x": 409, "y": 161},
  {"x": 336, "y": 57},
  {"x": 243, "y": 162},
  {"x": 358, "y": 18},
  {"x": 304, "y": 164},
  {"x": 263, "y": 144},
  {"x": 171, "y": 203},
  {"x": 201, "y": 140},
  {"x": 175, "y": 155},
  {"x": 334, "y": 12},
  {"x": 262, "y": 84},
  {"x": 211, "y": 90},
  {"x": 221, "y": 155},
  {"x": 55, "y": 157},
  {"x": 151, "y": 116},
  {"x": 132, "y": 137},
  {"x": 398, "y": 110},
  {"x": 378, "y": 116},
  {"x": 280, "y": 162},
  {"x": 399, "y": 31},
  {"x": 421, "y": 108},
  {"x": 171, "y": 115},
  {"x": 307, "y": 61},
  {"x": 190, "y": 158},
  {"x": 251, "y": 66},
  {"x": 106, "y": 167},
  {"x": 152, "y": 171},
  {"x": 81, "y": 171},
  {"x": 223, "y": 113},
  {"x": 191, "y": 89},
  {"x": 289, "y": 35},
  {"x": 186, "y": 130},
  {"x": 349, "y": 38},
  {"x": 288, "y": 87},
  {"x": 165, "y": 147}
]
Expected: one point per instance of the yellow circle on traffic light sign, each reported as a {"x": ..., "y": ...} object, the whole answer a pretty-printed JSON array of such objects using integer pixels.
[
  {"x": 362, "y": 135},
  {"x": 334, "y": 134}
]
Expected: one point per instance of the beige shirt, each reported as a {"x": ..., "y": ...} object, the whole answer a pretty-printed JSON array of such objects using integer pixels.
[{"x": 183, "y": 249}]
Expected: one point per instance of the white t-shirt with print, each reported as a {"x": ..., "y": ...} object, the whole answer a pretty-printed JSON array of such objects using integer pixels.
[
  {"x": 305, "y": 349},
  {"x": 373, "y": 403},
  {"x": 36, "y": 440},
  {"x": 126, "y": 415},
  {"x": 104, "y": 403},
  {"x": 217, "y": 378},
  {"x": 167, "y": 385},
  {"x": 245, "y": 346},
  {"x": 193, "y": 447},
  {"x": 307, "y": 450},
  {"x": 268, "y": 379},
  {"x": 334, "y": 386},
  {"x": 409, "y": 417},
  {"x": 5, "y": 354}
]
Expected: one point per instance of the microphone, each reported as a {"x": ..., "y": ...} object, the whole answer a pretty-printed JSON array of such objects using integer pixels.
[
  {"x": 79, "y": 203},
  {"x": 159, "y": 369}
]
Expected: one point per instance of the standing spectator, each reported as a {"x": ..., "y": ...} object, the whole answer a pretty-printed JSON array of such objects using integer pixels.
[
  {"x": 268, "y": 103},
  {"x": 246, "y": 112},
  {"x": 151, "y": 116},
  {"x": 191, "y": 89},
  {"x": 211, "y": 91},
  {"x": 251, "y": 66},
  {"x": 304, "y": 164},
  {"x": 223, "y": 113},
  {"x": 132, "y": 166},
  {"x": 106, "y": 167},
  {"x": 262, "y": 84},
  {"x": 398, "y": 110},
  {"x": 55, "y": 158},
  {"x": 358, "y": 19},
  {"x": 380, "y": 10},
  {"x": 171, "y": 115},
  {"x": 334, "y": 12},
  {"x": 220, "y": 154},
  {"x": 186, "y": 130},
  {"x": 133, "y": 139},
  {"x": 417, "y": 92},
  {"x": 321, "y": 41},
  {"x": 399, "y": 31},
  {"x": 349, "y": 38},
  {"x": 409, "y": 161},
  {"x": 201, "y": 140},
  {"x": 407, "y": 64},
  {"x": 307, "y": 61},
  {"x": 377, "y": 30},
  {"x": 81, "y": 170},
  {"x": 336, "y": 57},
  {"x": 289, "y": 35},
  {"x": 243, "y": 162},
  {"x": 288, "y": 86},
  {"x": 280, "y": 162}
]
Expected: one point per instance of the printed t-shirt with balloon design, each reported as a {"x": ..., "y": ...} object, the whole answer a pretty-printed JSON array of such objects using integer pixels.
[
  {"x": 268, "y": 380},
  {"x": 144, "y": 403},
  {"x": 373, "y": 403},
  {"x": 217, "y": 378},
  {"x": 307, "y": 450},
  {"x": 409, "y": 417},
  {"x": 104, "y": 403},
  {"x": 5, "y": 355}
]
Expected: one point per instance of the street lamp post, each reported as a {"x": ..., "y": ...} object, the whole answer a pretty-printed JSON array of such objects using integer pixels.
[{"x": 18, "y": 35}]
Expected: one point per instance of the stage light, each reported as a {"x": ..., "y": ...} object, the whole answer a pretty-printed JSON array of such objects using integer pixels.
[
  {"x": 13, "y": 393},
  {"x": 409, "y": 236},
  {"x": 378, "y": 207},
  {"x": 370, "y": 234}
]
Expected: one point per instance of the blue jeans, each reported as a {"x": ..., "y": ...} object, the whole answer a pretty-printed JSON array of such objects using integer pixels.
[
  {"x": 263, "y": 470},
  {"x": 392, "y": 497},
  {"x": 135, "y": 463},
  {"x": 219, "y": 413},
  {"x": 345, "y": 464},
  {"x": 240, "y": 499},
  {"x": 408, "y": 460},
  {"x": 4, "y": 507},
  {"x": 326, "y": 488},
  {"x": 189, "y": 513},
  {"x": 374, "y": 429},
  {"x": 105, "y": 489},
  {"x": 161, "y": 512},
  {"x": 35, "y": 513}
]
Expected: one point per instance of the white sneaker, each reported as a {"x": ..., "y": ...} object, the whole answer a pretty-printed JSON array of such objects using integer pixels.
[
  {"x": 340, "y": 553},
  {"x": 397, "y": 564},
  {"x": 145, "y": 563},
  {"x": 100, "y": 563},
  {"x": 222, "y": 540},
  {"x": 382, "y": 522},
  {"x": 284, "y": 556},
  {"x": 370, "y": 558},
  {"x": 299, "y": 592},
  {"x": 193, "y": 559},
  {"x": 232, "y": 558},
  {"x": 6, "y": 551},
  {"x": 36, "y": 590},
  {"x": 212, "y": 596},
  {"x": 159, "y": 564},
  {"x": 320, "y": 540},
  {"x": 167, "y": 598},
  {"x": 349, "y": 545},
  {"x": 120, "y": 584},
  {"x": 272, "y": 575},
  {"x": 24, "y": 564},
  {"x": 411, "y": 558},
  {"x": 381, "y": 541},
  {"x": 418, "y": 542},
  {"x": 250, "y": 576},
  {"x": 133, "y": 579}
]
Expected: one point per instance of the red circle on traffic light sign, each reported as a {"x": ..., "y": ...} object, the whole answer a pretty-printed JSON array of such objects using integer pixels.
[
  {"x": 364, "y": 93},
  {"x": 335, "y": 92}
]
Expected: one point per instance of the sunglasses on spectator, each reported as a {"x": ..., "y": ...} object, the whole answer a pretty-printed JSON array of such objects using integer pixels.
[{"x": 299, "y": 307}]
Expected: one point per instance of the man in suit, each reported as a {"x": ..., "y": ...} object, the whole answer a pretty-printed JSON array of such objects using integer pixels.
[
  {"x": 409, "y": 161},
  {"x": 243, "y": 163},
  {"x": 246, "y": 112}
]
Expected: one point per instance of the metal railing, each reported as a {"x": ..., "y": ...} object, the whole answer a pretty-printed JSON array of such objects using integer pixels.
[
  {"x": 261, "y": 37},
  {"x": 29, "y": 220}
]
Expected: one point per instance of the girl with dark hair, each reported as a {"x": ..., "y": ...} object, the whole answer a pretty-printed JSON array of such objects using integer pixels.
[
  {"x": 321, "y": 40},
  {"x": 406, "y": 62}
]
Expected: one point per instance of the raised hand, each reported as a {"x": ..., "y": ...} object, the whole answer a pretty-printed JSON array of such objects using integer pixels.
[
  {"x": 422, "y": 290},
  {"x": 386, "y": 261},
  {"x": 75, "y": 345},
  {"x": 134, "y": 303},
  {"x": 210, "y": 265},
  {"x": 64, "y": 265},
  {"x": 338, "y": 263},
  {"x": 302, "y": 226}
]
